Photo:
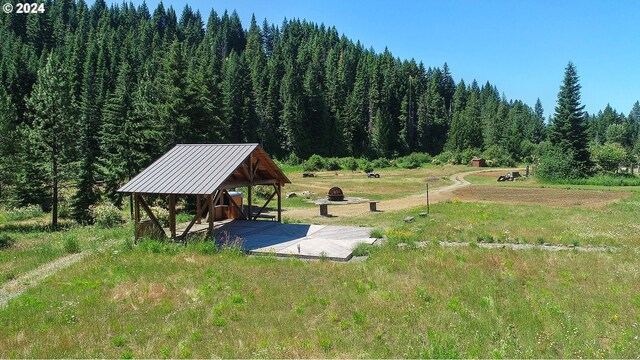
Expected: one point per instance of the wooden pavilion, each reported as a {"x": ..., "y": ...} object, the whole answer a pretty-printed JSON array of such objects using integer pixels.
[{"x": 207, "y": 171}]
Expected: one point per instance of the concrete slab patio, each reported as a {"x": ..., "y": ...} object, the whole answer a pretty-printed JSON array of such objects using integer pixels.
[{"x": 297, "y": 240}]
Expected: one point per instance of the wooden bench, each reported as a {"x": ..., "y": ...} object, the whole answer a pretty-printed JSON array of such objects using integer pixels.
[
  {"x": 324, "y": 209},
  {"x": 373, "y": 205},
  {"x": 266, "y": 216}
]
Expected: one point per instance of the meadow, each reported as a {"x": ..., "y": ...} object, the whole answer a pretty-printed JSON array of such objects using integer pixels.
[{"x": 167, "y": 300}]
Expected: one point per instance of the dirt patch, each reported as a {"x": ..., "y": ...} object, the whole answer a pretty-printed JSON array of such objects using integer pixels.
[{"x": 541, "y": 196}]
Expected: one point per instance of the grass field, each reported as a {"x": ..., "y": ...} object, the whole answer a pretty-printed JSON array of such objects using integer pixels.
[{"x": 165, "y": 301}]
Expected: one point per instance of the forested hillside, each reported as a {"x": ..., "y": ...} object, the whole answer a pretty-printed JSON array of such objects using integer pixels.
[{"x": 94, "y": 94}]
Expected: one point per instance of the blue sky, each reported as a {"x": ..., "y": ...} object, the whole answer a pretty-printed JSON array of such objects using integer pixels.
[{"x": 520, "y": 46}]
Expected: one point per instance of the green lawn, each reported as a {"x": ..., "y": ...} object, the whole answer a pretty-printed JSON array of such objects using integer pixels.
[{"x": 428, "y": 302}]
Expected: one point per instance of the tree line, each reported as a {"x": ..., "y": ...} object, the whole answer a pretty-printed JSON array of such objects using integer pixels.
[{"x": 92, "y": 94}]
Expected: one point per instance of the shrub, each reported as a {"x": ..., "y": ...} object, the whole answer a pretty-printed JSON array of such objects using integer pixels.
[
  {"x": 106, "y": 215},
  {"x": 24, "y": 213},
  {"x": 315, "y": 163},
  {"x": 263, "y": 191},
  {"x": 349, "y": 163},
  {"x": 71, "y": 244},
  {"x": 498, "y": 156},
  {"x": 332, "y": 164},
  {"x": 161, "y": 214},
  {"x": 413, "y": 160},
  {"x": 365, "y": 165},
  {"x": 467, "y": 155},
  {"x": 608, "y": 156},
  {"x": 6, "y": 241},
  {"x": 556, "y": 164},
  {"x": 381, "y": 163},
  {"x": 293, "y": 159},
  {"x": 443, "y": 158}
]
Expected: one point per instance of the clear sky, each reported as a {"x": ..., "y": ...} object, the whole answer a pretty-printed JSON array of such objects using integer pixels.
[{"x": 521, "y": 46}]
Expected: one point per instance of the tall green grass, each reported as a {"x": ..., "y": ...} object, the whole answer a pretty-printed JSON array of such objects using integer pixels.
[{"x": 598, "y": 180}]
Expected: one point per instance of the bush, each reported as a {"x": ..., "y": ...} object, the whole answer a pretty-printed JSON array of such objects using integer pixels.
[
  {"x": 71, "y": 244},
  {"x": 498, "y": 156},
  {"x": 381, "y": 163},
  {"x": 608, "y": 156},
  {"x": 443, "y": 157},
  {"x": 106, "y": 215},
  {"x": 6, "y": 241},
  {"x": 467, "y": 155},
  {"x": 24, "y": 213},
  {"x": 263, "y": 191},
  {"x": 315, "y": 163},
  {"x": 293, "y": 159},
  {"x": 413, "y": 160},
  {"x": 332, "y": 164},
  {"x": 161, "y": 214},
  {"x": 365, "y": 165},
  {"x": 556, "y": 165},
  {"x": 349, "y": 163}
]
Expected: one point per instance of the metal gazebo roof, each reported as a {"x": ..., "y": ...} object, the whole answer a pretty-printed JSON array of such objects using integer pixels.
[{"x": 200, "y": 169}]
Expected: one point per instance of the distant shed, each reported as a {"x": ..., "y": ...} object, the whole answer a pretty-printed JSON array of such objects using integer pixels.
[
  {"x": 205, "y": 171},
  {"x": 478, "y": 162}
]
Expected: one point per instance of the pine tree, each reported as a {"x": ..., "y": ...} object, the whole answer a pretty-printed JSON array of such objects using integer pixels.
[
  {"x": 53, "y": 111},
  {"x": 536, "y": 129},
  {"x": 239, "y": 105},
  {"x": 456, "y": 136},
  {"x": 568, "y": 131},
  {"x": 8, "y": 142}
]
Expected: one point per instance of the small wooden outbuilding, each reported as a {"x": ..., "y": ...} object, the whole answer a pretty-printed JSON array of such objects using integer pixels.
[
  {"x": 478, "y": 162},
  {"x": 206, "y": 171}
]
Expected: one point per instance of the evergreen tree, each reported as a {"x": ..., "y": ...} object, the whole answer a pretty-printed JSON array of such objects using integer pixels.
[
  {"x": 568, "y": 130},
  {"x": 456, "y": 140},
  {"x": 53, "y": 111}
]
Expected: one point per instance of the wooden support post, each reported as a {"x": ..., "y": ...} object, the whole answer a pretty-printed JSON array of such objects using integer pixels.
[
  {"x": 136, "y": 216},
  {"x": 427, "y": 198},
  {"x": 249, "y": 202},
  {"x": 249, "y": 188},
  {"x": 172, "y": 215},
  {"x": 131, "y": 206},
  {"x": 211, "y": 214},
  {"x": 279, "y": 188},
  {"x": 198, "y": 210}
]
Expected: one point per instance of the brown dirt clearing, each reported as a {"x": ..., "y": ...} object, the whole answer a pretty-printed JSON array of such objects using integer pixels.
[{"x": 540, "y": 196}]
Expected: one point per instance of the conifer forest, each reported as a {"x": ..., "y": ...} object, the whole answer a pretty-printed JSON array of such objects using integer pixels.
[{"x": 93, "y": 94}]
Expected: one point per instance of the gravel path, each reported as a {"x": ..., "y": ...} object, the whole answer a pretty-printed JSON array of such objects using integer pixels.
[{"x": 24, "y": 282}]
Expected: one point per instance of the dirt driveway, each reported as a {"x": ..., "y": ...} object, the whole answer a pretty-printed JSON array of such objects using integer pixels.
[{"x": 437, "y": 195}]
